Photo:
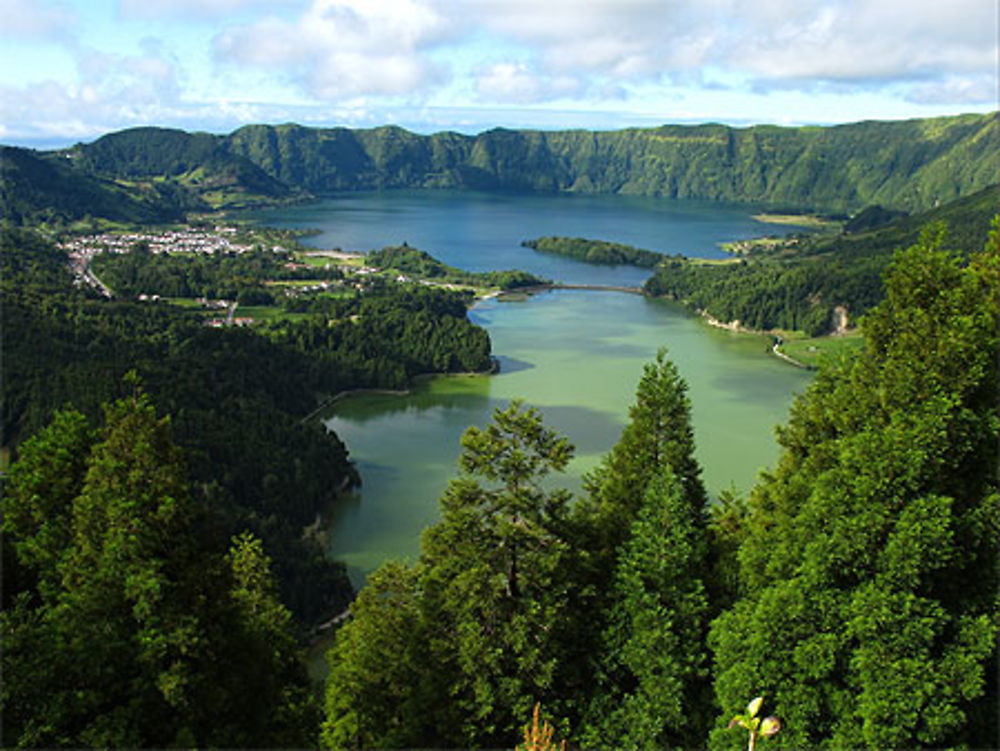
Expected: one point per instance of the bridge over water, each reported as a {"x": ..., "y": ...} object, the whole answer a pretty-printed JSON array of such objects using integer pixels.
[{"x": 592, "y": 287}]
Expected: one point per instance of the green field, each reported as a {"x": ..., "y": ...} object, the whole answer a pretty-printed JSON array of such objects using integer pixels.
[
  {"x": 810, "y": 350},
  {"x": 188, "y": 302}
]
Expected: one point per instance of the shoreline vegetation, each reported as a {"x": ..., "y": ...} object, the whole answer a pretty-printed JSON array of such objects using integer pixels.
[{"x": 601, "y": 252}]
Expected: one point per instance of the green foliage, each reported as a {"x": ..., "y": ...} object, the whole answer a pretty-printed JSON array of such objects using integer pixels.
[
  {"x": 849, "y": 586},
  {"x": 39, "y": 493},
  {"x": 912, "y": 165},
  {"x": 456, "y": 651},
  {"x": 370, "y": 695},
  {"x": 595, "y": 251},
  {"x": 196, "y": 165},
  {"x": 40, "y": 189},
  {"x": 494, "y": 583},
  {"x": 210, "y": 275},
  {"x": 653, "y": 689},
  {"x": 138, "y": 635},
  {"x": 641, "y": 603},
  {"x": 237, "y": 399},
  {"x": 866, "y": 614},
  {"x": 385, "y": 337},
  {"x": 800, "y": 287},
  {"x": 658, "y": 437},
  {"x": 237, "y": 396}
]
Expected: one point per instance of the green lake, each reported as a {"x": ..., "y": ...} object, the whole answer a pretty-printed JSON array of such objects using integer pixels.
[{"x": 575, "y": 355}]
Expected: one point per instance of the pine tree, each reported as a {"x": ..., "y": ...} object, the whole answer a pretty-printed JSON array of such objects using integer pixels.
[
  {"x": 869, "y": 565},
  {"x": 658, "y": 435},
  {"x": 372, "y": 691},
  {"x": 657, "y": 444},
  {"x": 139, "y": 633},
  {"x": 494, "y": 581},
  {"x": 653, "y": 690}
]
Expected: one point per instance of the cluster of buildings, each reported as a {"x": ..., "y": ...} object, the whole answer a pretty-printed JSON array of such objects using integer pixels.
[
  {"x": 81, "y": 249},
  {"x": 173, "y": 241}
]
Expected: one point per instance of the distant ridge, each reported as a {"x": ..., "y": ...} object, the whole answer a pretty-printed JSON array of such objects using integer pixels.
[{"x": 911, "y": 165}]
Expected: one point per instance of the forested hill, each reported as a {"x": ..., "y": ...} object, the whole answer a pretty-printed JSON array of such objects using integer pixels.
[
  {"x": 910, "y": 165},
  {"x": 37, "y": 189}
]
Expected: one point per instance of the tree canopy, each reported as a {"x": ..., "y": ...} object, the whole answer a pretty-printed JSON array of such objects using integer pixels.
[{"x": 140, "y": 632}]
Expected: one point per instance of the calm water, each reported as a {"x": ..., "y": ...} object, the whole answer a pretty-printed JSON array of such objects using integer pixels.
[
  {"x": 483, "y": 231},
  {"x": 575, "y": 355}
]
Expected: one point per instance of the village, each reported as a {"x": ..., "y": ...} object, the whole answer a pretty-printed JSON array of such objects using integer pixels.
[{"x": 351, "y": 270}]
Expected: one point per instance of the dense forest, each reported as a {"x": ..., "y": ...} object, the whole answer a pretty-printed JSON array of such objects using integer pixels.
[
  {"x": 595, "y": 251},
  {"x": 913, "y": 165},
  {"x": 37, "y": 189},
  {"x": 162, "y": 480}
]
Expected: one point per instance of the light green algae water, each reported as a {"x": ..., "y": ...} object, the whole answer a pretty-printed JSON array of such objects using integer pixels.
[{"x": 577, "y": 356}]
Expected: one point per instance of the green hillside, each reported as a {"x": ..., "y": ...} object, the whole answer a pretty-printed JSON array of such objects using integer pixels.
[
  {"x": 911, "y": 165},
  {"x": 801, "y": 284},
  {"x": 36, "y": 189},
  {"x": 197, "y": 162}
]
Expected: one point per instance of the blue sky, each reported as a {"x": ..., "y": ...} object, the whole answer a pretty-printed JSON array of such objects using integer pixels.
[{"x": 71, "y": 70}]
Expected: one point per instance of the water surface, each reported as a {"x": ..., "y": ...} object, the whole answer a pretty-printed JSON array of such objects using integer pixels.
[
  {"x": 577, "y": 356},
  {"x": 483, "y": 231}
]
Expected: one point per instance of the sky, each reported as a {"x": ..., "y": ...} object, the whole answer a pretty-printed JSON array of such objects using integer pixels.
[{"x": 71, "y": 70}]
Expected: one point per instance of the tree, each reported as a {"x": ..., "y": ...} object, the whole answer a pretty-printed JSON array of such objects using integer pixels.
[
  {"x": 38, "y": 499},
  {"x": 372, "y": 689},
  {"x": 139, "y": 633},
  {"x": 658, "y": 436},
  {"x": 494, "y": 579},
  {"x": 870, "y": 609},
  {"x": 653, "y": 689},
  {"x": 456, "y": 650},
  {"x": 265, "y": 699},
  {"x": 658, "y": 442},
  {"x": 120, "y": 626}
]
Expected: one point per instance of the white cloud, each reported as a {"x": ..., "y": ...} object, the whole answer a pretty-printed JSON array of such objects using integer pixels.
[
  {"x": 34, "y": 18},
  {"x": 509, "y": 82},
  {"x": 778, "y": 42},
  {"x": 341, "y": 49},
  {"x": 112, "y": 91},
  {"x": 357, "y": 61},
  {"x": 977, "y": 90},
  {"x": 531, "y": 51}
]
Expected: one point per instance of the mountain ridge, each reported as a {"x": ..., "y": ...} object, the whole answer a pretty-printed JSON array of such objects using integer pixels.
[{"x": 909, "y": 165}]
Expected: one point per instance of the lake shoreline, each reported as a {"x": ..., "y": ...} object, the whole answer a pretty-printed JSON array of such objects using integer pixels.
[{"x": 415, "y": 380}]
